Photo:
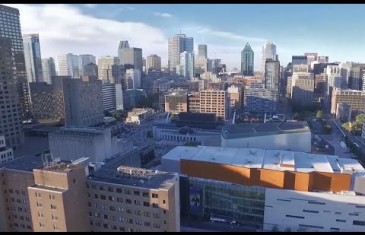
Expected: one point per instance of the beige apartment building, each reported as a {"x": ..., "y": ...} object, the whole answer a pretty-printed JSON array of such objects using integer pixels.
[
  {"x": 194, "y": 102},
  {"x": 62, "y": 197},
  {"x": 134, "y": 200},
  {"x": 176, "y": 102},
  {"x": 58, "y": 199},
  {"x": 214, "y": 101},
  {"x": 302, "y": 89},
  {"x": 354, "y": 98}
]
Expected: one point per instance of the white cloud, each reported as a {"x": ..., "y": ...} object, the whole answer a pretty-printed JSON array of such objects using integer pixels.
[
  {"x": 163, "y": 14},
  {"x": 91, "y": 5},
  {"x": 64, "y": 28},
  {"x": 230, "y": 35}
]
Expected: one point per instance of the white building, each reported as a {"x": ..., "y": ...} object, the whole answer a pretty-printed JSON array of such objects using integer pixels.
[
  {"x": 137, "y": 116},
  {"x": 74, "y": 143},
  {"x": 133, "y": 79},
  {"x": 314, "y": 211},
  {"x": 6, "y": 154},
  {"x": 294, "y": 136},
  {"x": 186, "y": 64},
  {"x": 112, "y": 96},
  {"x": 268, "y": 52},
  {"x": 68, "y": 65},
  {"x": 302, "y": 191}
]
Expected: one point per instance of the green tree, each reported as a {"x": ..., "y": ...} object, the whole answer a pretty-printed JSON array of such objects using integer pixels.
[
  {"x": 320, "y": 114},
  {"x": 117, "y": 115},
  {"x": 360, "y": 118},
  {"x": 347, "y": 126}
]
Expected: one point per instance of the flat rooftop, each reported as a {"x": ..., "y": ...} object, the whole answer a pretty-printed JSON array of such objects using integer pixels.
[
  {"x": 279, "y": 160},
  {"x": 25, "y": 163},
  {"x": 244, "y": 130},
  {"x": 87, "y": 132},
  {"x": 151, "y": 180}
]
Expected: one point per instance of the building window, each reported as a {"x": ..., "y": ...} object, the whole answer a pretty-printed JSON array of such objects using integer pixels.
[
  {"x": 145, "y": 194},
  {"x": 154, "y": 195},
  {"x": 358, "y": 222},
  {"x": 53, "y": 207},
  {"x": 295, "y": 216},
  {"x": 136, "y": 193},
  {"x": 154, "y": 205}
]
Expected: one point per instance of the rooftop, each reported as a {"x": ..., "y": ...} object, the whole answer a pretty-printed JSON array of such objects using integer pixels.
[
  {"x": 25, "y": 163},
  {"x": 244, "y": 130},
  {"x": 279, "y": 160},
  {"x": 150, "y": 179},
  {"x": 90, "y": 131}
]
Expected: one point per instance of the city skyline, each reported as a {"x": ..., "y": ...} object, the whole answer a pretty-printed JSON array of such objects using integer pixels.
[{"x": 290, "y": 27}]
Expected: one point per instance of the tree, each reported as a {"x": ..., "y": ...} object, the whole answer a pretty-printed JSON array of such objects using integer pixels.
[
  {"x": 360, "y": 118},
  {"x": 347, "y": 126},
  {"x": 320, "y": 114},
  {"x": 117, "y": 115}
]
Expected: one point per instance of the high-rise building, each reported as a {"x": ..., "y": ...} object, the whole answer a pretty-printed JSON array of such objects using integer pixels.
[
  {"x": 214, "y": 101},
  {"x": 122, "y": 45},
  {"x": 247, "y": 61},
  {"x": 9, "y": 96},
  {"x": 311, "y": 57},
  {"x": 235, "y": 94},
  {"x": 48, "y": 100},
  {"x": 132, "y": 58},
  {"x": 52, "y": 198},
  {"x": 10, "y": 28},
  {"x": 90, "y": 69},
  {"x": 68, "y": 65},
  {"x": 258, "y": 99},
  {"x": 203, "y": 50},
  {"x": 202, "y": 58},
  {"x": 302, "y": 89},
  {"x": 299, "y": 59},
  {"x": 32, "y": 54},
  {"x": 272, "y": 74},
  {"x": 48, "y": 69},
  {"x": 44, "y": 197},
  {"x": 186, "y": 66},
  {"x": 354, "y": 98},
  {"x": 177, "y": 45},
  {"x": 322, "y": 59},
  {"x": 84, "y": 60},
  {"x": 83, "y": 101},
  {"x": 268, "y": 52},
  {"x": 112, "y": 97},
  {"x": 133, "y": 79},
  {"x": 153, "y": 63},
  {"x": 105, "y": 68}
]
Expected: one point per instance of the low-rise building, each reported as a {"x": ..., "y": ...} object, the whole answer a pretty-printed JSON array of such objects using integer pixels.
[{"x": 138, "y": 115}]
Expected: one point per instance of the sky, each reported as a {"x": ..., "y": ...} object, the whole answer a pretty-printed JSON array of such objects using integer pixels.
[{"x": 334, "y": 30}]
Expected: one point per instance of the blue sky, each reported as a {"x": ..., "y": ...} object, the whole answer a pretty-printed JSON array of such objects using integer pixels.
[{"x": 329, "y": 29}]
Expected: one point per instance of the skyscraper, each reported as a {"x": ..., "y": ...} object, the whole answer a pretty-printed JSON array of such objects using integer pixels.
[
  {"x": 68, "y": 65},
  {"x": 84, "y": 60},
  {"x": 14, "y": 93},
  {"x": 153, "y": 63},
  {"x": 48, "y": 69},
  {"x": 176, "y": 45},
  {"x": 10, "y": 28},
  {"x": 122, "y": 45},
  {"x": 272, "y": 74},
  {"x": 105, "y": 67},
  {"x": 247, "y": 61},
  {"x": 202, "y": 58},
  {"x": 32, "y": 54},
  {"x": 203, "y": 50},
  {"x": 268, "y": 52},
  {"x": 186, "y": 65},
  {"x": 132, "y": 58}
]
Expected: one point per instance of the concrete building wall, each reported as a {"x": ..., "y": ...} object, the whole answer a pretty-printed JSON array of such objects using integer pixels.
[
  {"x": 53, "y": 198},
  {"x": 82, "y": 143},
  {"x": 15, "y": 213},
  {"x": 310, "y": 211},
  {"x": 292, "y": 141},
  {"x": 123, "y": 208}
]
